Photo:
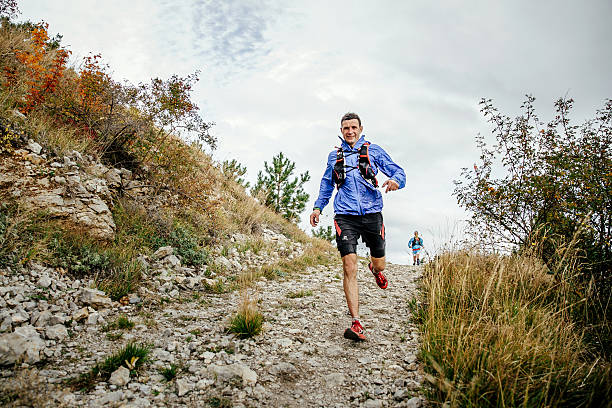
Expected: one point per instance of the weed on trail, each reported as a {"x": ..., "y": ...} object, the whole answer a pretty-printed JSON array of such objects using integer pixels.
[
  {"x": 219, "y": 402},
  {"x": 169, "y": 373},
  {"x": 132, "y": 356},
  {"x": 247, "y": 322},
  {"x": 299, "y": 294}
]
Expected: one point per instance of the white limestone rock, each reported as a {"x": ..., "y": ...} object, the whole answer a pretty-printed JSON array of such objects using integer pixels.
[
  {"x": 120, "y": 377},
  {"x": 24, "y": 344}
]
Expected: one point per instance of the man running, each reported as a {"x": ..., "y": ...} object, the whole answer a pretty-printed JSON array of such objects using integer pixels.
[
  {"x": 357, "y": 205},
  {"x": 416, "y": 243}
]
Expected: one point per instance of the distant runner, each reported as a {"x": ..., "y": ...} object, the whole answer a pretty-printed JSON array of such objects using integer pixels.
[
  {"x": 352, "y": 168},
  {"x": 416, "y": 243}
]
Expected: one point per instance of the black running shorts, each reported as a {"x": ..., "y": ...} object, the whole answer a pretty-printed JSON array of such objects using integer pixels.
[{"x": 369, "y": 227}]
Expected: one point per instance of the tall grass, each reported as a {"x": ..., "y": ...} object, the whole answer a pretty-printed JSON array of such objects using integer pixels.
[{"x": 498, "y": 332}]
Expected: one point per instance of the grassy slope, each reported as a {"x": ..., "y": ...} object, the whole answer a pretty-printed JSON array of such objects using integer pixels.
[{"x": 499, "y": 332}]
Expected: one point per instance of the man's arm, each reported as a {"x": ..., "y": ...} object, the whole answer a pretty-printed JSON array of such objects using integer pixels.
[
  {"x": 326, "y": 190},
  {"x": 397, "y": 176}
]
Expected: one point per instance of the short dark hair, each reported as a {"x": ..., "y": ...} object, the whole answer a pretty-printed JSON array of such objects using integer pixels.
[{"x": 349, "y": 116}]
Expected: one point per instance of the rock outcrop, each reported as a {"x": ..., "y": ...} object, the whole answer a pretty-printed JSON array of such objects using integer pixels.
[{"x": 74, "y": 188}]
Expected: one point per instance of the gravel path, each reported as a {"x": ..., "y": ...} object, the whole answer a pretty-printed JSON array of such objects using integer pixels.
[
  {"x": 300, "y": 360},
  {"x": 331, "y": 370}
]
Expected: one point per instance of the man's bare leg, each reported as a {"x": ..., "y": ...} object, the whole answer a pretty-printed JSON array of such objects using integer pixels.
[
  {"x": 351, "y": 290},
  {"x": 378, "y": 264}
]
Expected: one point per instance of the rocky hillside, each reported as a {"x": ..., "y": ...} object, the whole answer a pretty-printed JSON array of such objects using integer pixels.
[{"x": 60, "y": 329}]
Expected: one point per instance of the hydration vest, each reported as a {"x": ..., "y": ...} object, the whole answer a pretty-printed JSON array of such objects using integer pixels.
[{"x": 364, "y": 166}]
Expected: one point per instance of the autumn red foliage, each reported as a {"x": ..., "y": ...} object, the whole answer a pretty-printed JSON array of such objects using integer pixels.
[{"x": 41, "y": 78}]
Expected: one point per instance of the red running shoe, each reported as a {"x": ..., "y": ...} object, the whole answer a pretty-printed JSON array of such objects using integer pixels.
[
  {"x": 381, "y": 281},
  {"x": 355, "y": 332}
]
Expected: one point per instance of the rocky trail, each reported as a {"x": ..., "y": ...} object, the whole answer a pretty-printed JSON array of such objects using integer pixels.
[
  {"x": 300, "y": 358},
  {"x": 311, "y": 364}
]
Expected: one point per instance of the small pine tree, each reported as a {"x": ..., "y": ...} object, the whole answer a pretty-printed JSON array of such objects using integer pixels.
[
  {"x": 278, "y": 191},
  {"x": 234, "y": 170},
  {"x": 325, "y": 233}
]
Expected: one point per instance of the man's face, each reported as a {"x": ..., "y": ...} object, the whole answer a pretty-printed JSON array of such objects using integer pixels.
[{"x": 351, "y": 131}]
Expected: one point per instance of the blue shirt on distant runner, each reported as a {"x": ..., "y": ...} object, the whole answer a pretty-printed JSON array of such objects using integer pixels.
[{"x": 416, "y": 244}]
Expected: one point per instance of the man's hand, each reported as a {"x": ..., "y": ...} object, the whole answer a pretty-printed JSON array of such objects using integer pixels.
[
  {"x": 314, "y": 218},
  {"x": 391, "y": 185}
]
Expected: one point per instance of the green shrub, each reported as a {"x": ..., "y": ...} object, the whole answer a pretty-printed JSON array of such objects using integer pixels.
[
  {"x": 219, "y": 402},
  {"x": 76, "y": 254},
  {"x": 122, "y": 322},
  {"x": 118, "y": 282},
  {"x": 187, "y": 247},
  {"x": 136, "y": 227}
]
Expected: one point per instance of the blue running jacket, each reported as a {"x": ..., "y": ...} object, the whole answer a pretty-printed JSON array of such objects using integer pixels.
[{"x": 357, "y": 196}]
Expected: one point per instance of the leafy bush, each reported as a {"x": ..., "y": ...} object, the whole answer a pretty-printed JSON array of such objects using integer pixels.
[
  {"x": 552, "y": 181},
  {"x": 548, "y": 186},
  {"x": 187, "y": 246}
]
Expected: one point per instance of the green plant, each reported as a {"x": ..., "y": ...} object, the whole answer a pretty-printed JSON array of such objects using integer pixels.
[
  {"x": 234, "y": 170},
  {"x": 124, "y": 323},
  {"x": 300, "y": 294},
  {"x": 218, "y": 287},
  {"x": 23, "y": 234},
  {"x": 132, "y": 356},
  {"x": 278, "y": 191},
  {"x": 114, "y": 336},
  {"x": 77, "y": 255},
  {"x": 169, "y": 373},
  {"x": 324, "y": 233},
  {"x": 219, "y": 402},
  {"x": 546, "y": 183},
  {"x": 247, "y": 322},
  {"x": 122, "y": 280}
]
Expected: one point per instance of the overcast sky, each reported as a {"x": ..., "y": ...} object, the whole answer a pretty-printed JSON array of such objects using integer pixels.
[{"x": 278, "y": 75}]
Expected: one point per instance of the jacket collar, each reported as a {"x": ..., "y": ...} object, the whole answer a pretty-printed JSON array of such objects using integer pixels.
[{"x": 346, "y": 146}]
